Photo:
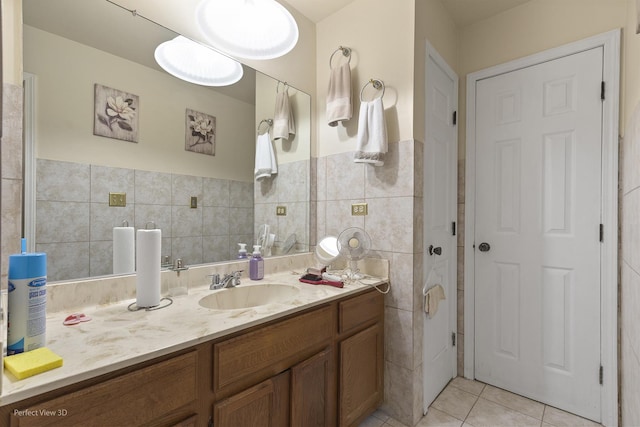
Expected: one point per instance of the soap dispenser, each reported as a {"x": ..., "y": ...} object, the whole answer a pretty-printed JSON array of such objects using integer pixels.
[
  {"x": 256, "y": 264},
  {"x": 242, "y": 252}
]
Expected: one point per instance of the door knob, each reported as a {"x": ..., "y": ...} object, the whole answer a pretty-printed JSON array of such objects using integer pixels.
[
  {"x": 437, "y": 250},
  {"x": 484, "y": 247}
]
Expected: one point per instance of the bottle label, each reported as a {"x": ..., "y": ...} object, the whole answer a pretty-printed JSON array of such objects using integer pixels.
[{"x": 27, "y": 314}]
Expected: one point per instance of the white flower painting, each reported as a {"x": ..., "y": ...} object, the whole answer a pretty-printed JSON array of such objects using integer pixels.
[
  {"x": 200, "y": 133},
  {"x": 115, "y": 114}
]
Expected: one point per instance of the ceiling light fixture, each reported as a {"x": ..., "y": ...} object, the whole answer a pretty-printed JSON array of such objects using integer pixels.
[
  {"x": 251, "y": 29},
  {"x": 195, "y": 63}
]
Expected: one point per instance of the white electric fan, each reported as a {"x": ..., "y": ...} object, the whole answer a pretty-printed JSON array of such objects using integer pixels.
[{"x": 354, "y": 244}]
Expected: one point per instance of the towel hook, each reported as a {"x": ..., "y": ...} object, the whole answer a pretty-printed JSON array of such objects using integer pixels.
[
  {"x": 286, "y": 85},
  {"x": 346, "y": 51},
  {"x": 269, "y": 123},
  {"x": 377, "y": 84}
]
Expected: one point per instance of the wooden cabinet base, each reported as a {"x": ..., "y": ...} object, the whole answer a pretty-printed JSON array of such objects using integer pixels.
[{"x": 320, "y": 367}]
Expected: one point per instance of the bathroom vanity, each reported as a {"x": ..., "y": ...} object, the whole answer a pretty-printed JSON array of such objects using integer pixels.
[{"x": 320, "y": 363}]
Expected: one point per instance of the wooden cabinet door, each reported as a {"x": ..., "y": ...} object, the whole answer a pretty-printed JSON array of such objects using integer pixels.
[
  {"x": 252, "y": 407},
  {"x": 361, "y": 375},
  {"x": 263, "y": 405},
  {"x": 311, "y": 383}
]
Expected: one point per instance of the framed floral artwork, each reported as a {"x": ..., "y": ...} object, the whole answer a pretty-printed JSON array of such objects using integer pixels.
[
  {"x": 115, "y": 114},
  {"x": 200, "y": 133}
]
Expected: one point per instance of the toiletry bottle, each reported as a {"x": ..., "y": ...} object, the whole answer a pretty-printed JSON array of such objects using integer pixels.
[
  {"x": 27, "y": 298},
  {"x": 242, "y": 253},
  {"x": 256, "y": 264}
]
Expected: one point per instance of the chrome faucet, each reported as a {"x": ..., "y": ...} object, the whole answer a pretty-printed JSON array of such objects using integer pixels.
[{"x": 228, "y": 281}]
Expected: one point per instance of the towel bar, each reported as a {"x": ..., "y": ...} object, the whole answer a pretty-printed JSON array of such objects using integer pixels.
[
  {"x": 286, "y": 85},
  {"x": 346, "y": 51},
  {"x": 269, "y": 123},
  {"x": 376, "y": 83}
]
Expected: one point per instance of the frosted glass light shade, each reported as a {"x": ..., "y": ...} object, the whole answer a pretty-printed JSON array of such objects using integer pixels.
[
  {"x": 192, "y": 62},
  {"x": 251, "y": 29}
]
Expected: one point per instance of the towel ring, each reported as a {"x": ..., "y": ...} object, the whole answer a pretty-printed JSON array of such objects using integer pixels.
[
  {"x": 269, "y": 123},
  {"x": 377, "y": 84},
  {"x": 286, "y": 85},
  {"x": 346, "y": 51}
]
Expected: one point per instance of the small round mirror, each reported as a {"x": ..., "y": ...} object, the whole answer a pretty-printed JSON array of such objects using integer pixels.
[{"x": 327, "y": 250}]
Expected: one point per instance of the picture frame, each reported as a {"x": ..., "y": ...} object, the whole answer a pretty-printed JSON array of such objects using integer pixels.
[
  {"x": 200, "y": 132},
  {"x": 115, "y": 114}
]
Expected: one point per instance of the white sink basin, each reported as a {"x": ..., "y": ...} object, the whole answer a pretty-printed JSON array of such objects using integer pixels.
[{"x": 245, "y": 296}]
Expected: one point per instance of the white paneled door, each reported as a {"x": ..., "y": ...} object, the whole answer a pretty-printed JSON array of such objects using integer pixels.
[
  {"x": 440, "y": 210},
  {"x": 537, "y": 231}
]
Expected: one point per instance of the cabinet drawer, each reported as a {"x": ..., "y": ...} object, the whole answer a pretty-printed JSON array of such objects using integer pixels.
[
  {"x": 131, "y": 399},
  {"x": 360, "y": 310},
  {"x": 267, "y": 351}
]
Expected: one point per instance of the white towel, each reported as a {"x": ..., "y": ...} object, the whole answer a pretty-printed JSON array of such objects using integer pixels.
[
  {"x": 339, "y": 106},
  {"x": 284, "y": 126},
  {"x": 265, "y": 158},
  {"x": 432, "y": 299},
  {"x": 372, "y": 133}
]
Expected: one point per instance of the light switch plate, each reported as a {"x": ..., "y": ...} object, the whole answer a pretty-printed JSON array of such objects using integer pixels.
[
  {"x": 118, "y": 199},
  {"x": 359, "y": 209},
  {"x": 194, "y": 202}
]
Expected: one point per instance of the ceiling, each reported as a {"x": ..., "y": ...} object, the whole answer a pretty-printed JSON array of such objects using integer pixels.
[{"x": 463, "y": 12}]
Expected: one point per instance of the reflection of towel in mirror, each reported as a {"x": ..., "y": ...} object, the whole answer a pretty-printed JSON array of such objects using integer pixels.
[
  {"x": 265, "y": 157},
  {"x": 284, "y": 126},
  {"x": 372, "y": 133},
  {"x": 431, "y": 300},
  {"x": 339, "y": 107}
]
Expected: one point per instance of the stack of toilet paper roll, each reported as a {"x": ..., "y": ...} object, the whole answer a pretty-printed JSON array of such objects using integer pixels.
[{"x": 148, "y": 249}]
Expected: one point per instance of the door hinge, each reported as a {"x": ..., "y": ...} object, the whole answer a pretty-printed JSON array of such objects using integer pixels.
[
  {"x": 602, "y": 232},
  {"x": 602, "y": 91},
  {"x": 453, "y": 228},
  {"x": 455, "y": 117},
  {"x": 601, "y": 375},
  {"x": 453, "y": 339}
]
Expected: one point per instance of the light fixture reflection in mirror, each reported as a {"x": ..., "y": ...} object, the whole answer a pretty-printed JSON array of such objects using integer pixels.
[
  {"x": 194, "y": 63},
  {"x": 251, "y": 29}
]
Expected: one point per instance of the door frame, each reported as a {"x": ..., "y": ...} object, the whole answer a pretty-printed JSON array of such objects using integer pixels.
[
  {"x": 610, "y": 41},
  {"x": 452, "y": 297}
]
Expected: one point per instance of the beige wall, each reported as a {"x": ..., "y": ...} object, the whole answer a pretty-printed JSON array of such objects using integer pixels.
[
  {"x": 64, "y": 113},
  {"x": 433, "y": 24},
  {"x": 380, "y": 34},
  {"x": 11, "y": 50}
]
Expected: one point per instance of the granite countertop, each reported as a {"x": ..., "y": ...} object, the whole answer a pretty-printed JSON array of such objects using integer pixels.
[{"x": 116, "y": 337}]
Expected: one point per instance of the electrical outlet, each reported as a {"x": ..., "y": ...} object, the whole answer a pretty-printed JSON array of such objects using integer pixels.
[
  {"x": 118, "y": 199},
  {"x": 194, "y": 202},
  {"x": 281, "y": 210},
  {"x": 359, "y": 209}
]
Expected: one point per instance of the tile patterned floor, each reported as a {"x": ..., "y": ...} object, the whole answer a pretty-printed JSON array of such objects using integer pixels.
[{"x": 465, "y": 403}]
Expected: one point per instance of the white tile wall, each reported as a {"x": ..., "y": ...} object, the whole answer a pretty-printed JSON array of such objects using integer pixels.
[{"x": 74, "y": 222}]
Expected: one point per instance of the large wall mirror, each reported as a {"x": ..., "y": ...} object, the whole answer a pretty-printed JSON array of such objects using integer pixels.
[{"x": 78, "y": 52}]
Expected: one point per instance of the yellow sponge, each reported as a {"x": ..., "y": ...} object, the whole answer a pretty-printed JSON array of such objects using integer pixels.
[{"x": 33, "y": 362}]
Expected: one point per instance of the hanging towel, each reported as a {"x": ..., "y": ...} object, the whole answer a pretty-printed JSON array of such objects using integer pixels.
[
  {"x": 372, "y": 133},
  {"x": 265, "y": 158},
  {"x": 339, "y": 106},
  {"x": 284, "y": 126},
  {"x": 431, "y": 300}
]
